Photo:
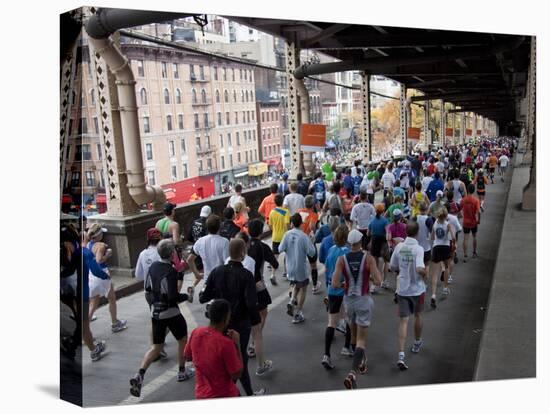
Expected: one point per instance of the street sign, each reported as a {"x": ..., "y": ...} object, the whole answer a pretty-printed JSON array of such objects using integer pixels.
[{"x": 313, "y": 137}]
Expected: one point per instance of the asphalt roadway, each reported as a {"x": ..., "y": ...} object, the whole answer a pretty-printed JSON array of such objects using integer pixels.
[{"x": 451, "y": 336}]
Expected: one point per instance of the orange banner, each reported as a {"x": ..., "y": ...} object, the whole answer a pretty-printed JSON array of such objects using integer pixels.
[
  {"x": 448, "y": 132},
  {"x": 413, "y": 133},
  {"x": 479, "y": 132},
  {"x": 468, "y": 131},
  {"x": 313, "y": 137}
]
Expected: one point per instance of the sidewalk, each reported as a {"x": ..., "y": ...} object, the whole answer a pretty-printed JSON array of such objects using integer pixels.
[{"x": 508, "y": 346}]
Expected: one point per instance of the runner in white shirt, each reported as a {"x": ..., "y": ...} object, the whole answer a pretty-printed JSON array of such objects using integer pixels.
[
  {"x": 426, "y": 181},
  {"x": 361, "y": 215},
  {"x": 294, "y": 201},
  {"x": 388, "y": 179},
  {"x": 503, "y": 165},
  {"x": 453, "y": 219},
  {"x": 408, "y": 260},
  {"x": 442, "y": 234},
  {"x": 212, "y": 248}
]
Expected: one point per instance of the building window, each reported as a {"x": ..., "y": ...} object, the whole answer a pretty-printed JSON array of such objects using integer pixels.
[
  {"x": 226, "y": 96},
  {"x": 217, "y": 96},
  {"x": 215, "y": 73},
  {"x": 255, "y": 155},
  {"x": 172, "y": 148},
  {"x": 99, "y": 153},
  {"x": 203, "y": 96},
  {"x": 178, "y": 96},
  {"x": 92, "y": 96},
  {"x": 233, "y": 74},
  {"x": 244, "y": 117},
  {"x": 183, "y": 147},
  {"x": 141, "y": 69},
  {"x": 265, "y": 151},
  {"x": 180, "y": 121},
  {"x": 197, "y": 124},
  {"x": 90, "y": 178},
  {"x": 234, "y": 95},
  {"x": 149, "y": 152},
  {"x": 251, "y": 96},
  {"x": 223, "y": 162},
  {"x": 229, "y": 139},
  {"x": 230, "y": 160},
  {"x": 238, "y": 138},
  {"x": 70, "y": 126},
  {"x": 248, "y": 116},
  {"x": 83, "y": 126},
  {"x": 239, "y": 158},
  {"x": 194, "y": 96},
  {"x": 86, "y": 152},
  {"x": 206, "y": 124},
  {"x": 219, "y": 118},
  {"x": 164, "y": 72},
  {"x": 224, "y": 71},
  {"x": 201, "y": 72},
  {"x": 253, "y": 116},
  {"x": 146, "y": 126},
  {"x": 254, "y": 133},
  {"x": 246, "y": 153},
  {"x": 242, "y": 96},
  {"x": 169, "y": 122},
  {"x": 236, "y": 118},
  {"x": 200, "y": 166},
  {"x": 198, "y": 142},
  {"x": 102, "y": 179},
  {"x": 279, "y": 148},
  {"x": 221, "y": 141},
  {"x": 174, "y": 173},
  {"x": 143, "y": 96},
  {"x": 241, "y": 74},
  {"x": 192, "y": 72},
  {"x": 175, "y": 70},
  {"x": 75, "y": 179},
  {"x": 185, "y": 171},
  {"x": 151, "y": 177},
  {"x": 245, "y": 74},
  {"x": 246, "y": 96},
  {"x": 276, "y": 115},
  {"x": 96, "y": 125},
  {"x": 227, "y": 120},
  {"x": 166, "y": 96},
  {"x": 209, "y": 164},
  {"x": 250, "y": 76}
]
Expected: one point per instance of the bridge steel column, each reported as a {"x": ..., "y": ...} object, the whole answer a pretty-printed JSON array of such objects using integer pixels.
[
  {"x": 367, "y": 133},
  {"x": 529, "y": 201},
  {"x": 453, "y": 117},
  {"x": 427, "y": 123},
  {"x": 68, "y": 71},
  {"x": 474, "y": 125},
  {"x": 442, "y": 123},
  {"x": 463, "y": 128},
  {"x": 119, "y": 201},
  {"x": 292, "y": 63},
  {"x": 403, "y": 118}
]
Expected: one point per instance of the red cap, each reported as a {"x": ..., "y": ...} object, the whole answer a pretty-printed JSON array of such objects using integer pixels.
[{"x": 154, "y": 234}]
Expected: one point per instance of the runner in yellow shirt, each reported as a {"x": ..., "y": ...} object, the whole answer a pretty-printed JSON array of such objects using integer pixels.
[{"x": 279, "y": 221}]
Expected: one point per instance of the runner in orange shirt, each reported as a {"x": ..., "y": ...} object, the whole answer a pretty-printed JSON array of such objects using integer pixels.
[
  {"x": 310, "y": 218},
  {"x": 492, "y": 161},
  {"x": 268, "y": 203}
]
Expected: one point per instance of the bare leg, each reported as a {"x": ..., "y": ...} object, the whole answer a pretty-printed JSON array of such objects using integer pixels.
[
  {"x": 94, "y": 303},
  {"x": 87, "y": 335},
  {"x": 111, "y": 297},
  {"x": 465, "y": 243},
  {"x": 258, "y": 342},
  {"x": 152, "y": 354},
  {"x": 402, "y": 333},
  {"x": 418, "y": 326},
  {"x": 435, "y": 269},
  {"x": 301, "y": 298}
]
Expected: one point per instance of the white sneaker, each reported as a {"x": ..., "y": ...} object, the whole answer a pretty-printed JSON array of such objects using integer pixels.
[
  {"x": 450, "y": 280},
  {"x": 445, "y": 291}
]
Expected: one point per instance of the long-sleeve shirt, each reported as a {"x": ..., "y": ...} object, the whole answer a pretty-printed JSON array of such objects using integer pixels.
[
  {"x": 161, "y": 285},
  {"x": 235, "y": 284},
  {"x": 261, "y": 253}
]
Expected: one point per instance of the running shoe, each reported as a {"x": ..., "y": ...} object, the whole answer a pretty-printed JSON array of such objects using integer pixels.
[
  {"x": 475, "y": 255},
  {"x": 190, "y": 294},
  {"x": 251, "y": 352},
  {"x": 273, "y": 281},
  {"x": 351, "y": 381},
  {"x": 455, "y": 259},
  {"x": 135, "y": 385},
  {"x": 290, "y": 309},
  {"x": 482, "y": 208},
  {"x": 450, "y": 280},
  {"x": 445, "y": 291},
  {"x": 265, "y": 368},
  {"x": 93, "y": 318},
  {"x": 261, "y": 391},
  {"x": 363, "y": 368},
  {"x": 298, "y": 318},
  {"x": 402, "y": 365},
  {"x": 465, "y": 257},
  {"x": 341, "y": 326},
  {"x": 97, "y": 353},
  {"x": 346, "y": 352},
  {"x": 118, "y": 326},
  {"x": 327, "y": 363},
  {"x": 317, "y": 288},
  {"x": 384, "y": 285},
  {"x": 415, "y": 348},
  {"x": 188, "y": 373},
  {"x": 432, "y": 303}
]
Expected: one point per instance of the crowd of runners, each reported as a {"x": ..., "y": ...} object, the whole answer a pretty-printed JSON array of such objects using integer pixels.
[{"x": 394, "y": 225}]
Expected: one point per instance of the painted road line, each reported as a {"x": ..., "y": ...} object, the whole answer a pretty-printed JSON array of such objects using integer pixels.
[{"x": 170, "y": 373}]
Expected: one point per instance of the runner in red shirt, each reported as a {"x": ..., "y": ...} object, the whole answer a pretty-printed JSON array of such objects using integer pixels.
[
  {"x": 470, "y": 210},
  {"x": 215, "y": 354},
  {"x": 268, "y": 203}
]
